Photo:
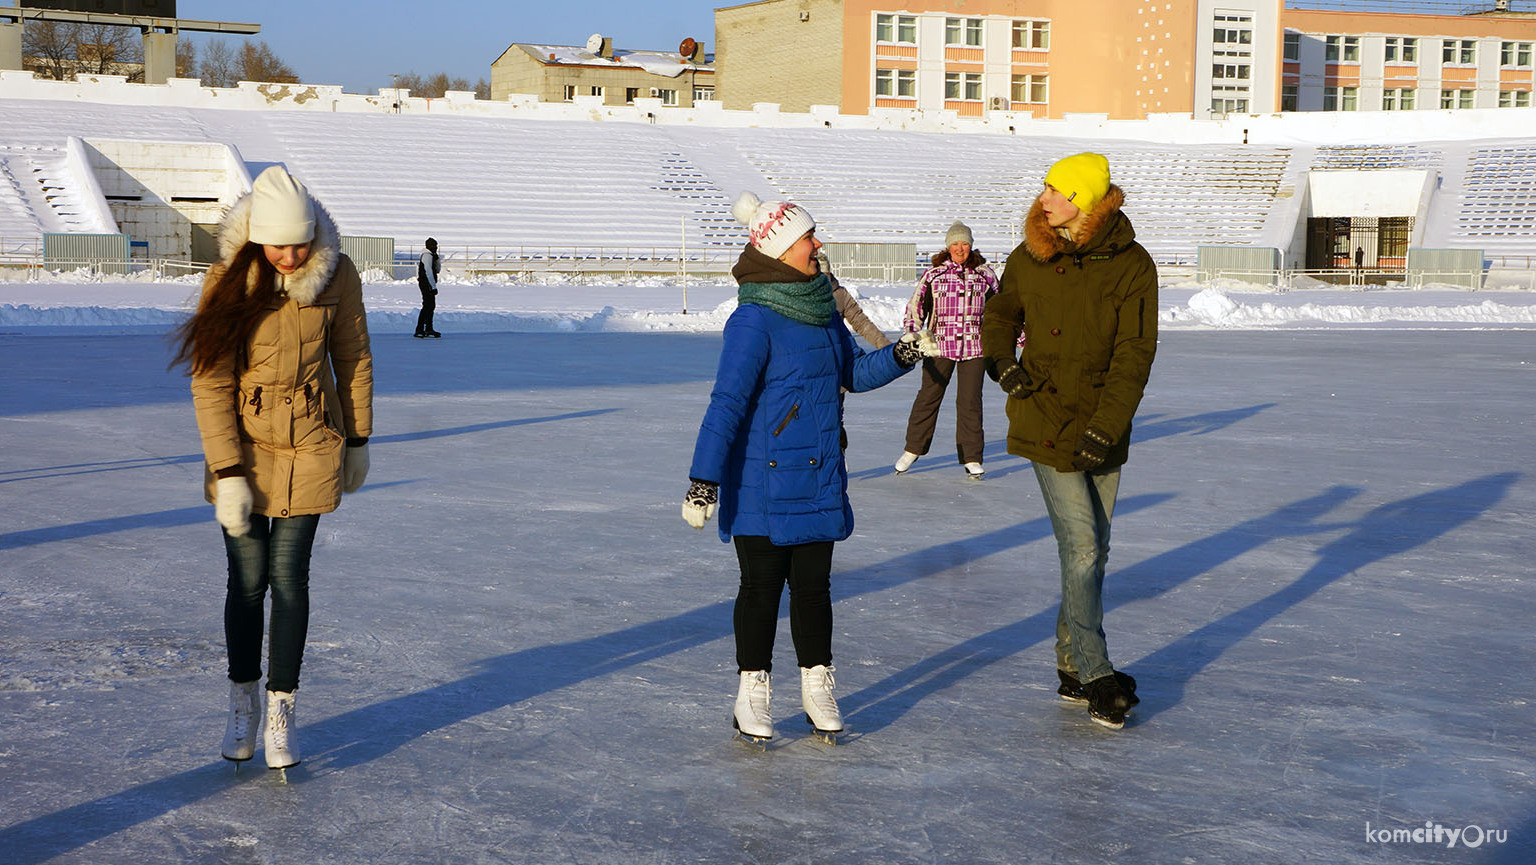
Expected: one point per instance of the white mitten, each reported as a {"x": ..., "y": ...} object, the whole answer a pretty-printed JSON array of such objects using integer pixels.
[
  {"x": 354, "y": 468},
  {"x": 232, "y": 505},
  {"x": 927, "y": 344},
  {"x": 699, "y": 503}
]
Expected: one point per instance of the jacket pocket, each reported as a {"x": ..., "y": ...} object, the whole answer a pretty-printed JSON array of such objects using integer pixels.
[{"x": 253, "y": 425}]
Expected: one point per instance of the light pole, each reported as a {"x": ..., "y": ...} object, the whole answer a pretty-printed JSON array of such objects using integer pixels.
[{"x": 394, "y": 83}]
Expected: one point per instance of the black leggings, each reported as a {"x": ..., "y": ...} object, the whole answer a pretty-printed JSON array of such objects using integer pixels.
[{"x": 765, "y": 568}]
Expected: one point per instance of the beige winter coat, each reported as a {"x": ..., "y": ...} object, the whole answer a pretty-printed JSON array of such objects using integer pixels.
[{"x": 283, "y": 405}]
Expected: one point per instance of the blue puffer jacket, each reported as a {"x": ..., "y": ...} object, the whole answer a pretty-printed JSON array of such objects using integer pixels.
[{"x": 770, "y": 438}]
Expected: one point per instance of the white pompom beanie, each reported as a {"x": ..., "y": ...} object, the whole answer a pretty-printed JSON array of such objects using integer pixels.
[
  {"x": 281, "y": 213},
  {"x": 774, "y": 225}
]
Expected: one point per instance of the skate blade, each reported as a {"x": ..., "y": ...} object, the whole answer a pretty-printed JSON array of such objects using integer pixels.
[
  {"x": 1106, "y": 722},
  {"x": 828, "y": 737},
  {"x": 750, "y": 739}
]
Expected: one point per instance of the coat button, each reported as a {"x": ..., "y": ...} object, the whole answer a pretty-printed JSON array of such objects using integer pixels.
[
  {"x": 813, "y": 461},
  {"x": 1060, "y": 269},
  {"x": 285, "y": 512},
  {"x": 1051, "y": 389},
  {"x": 1055, "y": 331},
  {"x": 773, "y": 464},
  {"x": 288, "y": 400},
  {"x": 1048, "y": 443}
]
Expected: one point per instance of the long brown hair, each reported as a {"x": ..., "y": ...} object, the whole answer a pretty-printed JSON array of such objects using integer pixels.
[{"x": 228, "y": 313}]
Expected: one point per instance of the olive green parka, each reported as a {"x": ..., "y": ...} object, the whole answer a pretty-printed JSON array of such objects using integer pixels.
[
  {"x": 1088, "y": 313},
  {"x": 282, "y": 406}
]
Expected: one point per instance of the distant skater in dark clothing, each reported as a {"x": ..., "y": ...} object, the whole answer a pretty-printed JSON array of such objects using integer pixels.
[{"x": 427, "y": 270}]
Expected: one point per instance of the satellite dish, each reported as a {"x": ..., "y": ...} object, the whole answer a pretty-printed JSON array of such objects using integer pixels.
[
  {"x": 687, "y": 48},
  {"x": 595, "y": 42}
]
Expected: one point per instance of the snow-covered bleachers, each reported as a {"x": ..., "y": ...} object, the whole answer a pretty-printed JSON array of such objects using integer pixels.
[
  {"x": 485, "y": 183},
  {"x": 907, "y": 188},
  {"x": 1372, "y": 156},
  {"x": 1180, "y": 198},
  {"x": 1498, "y": 199}
]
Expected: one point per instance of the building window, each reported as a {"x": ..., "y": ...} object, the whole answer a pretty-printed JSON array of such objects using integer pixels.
[
  {"x": 1342, "y": 49},
  {"x": 1226, "y": 35},
  {"x": 1514, "y": 99},
  {"x": 962, "y": 31},
  {"x": 595, "y": 90},
  {"x": 896, "y": 82},
  {"x": 1229, "y": 106},
  {"x": 1402, "y": 49},
  {"x": 959, "y": 85},
  {"x": 901, "y": 29},
  {"x": 1032, "y": 35},
  {"x": 629, "y": 95},
  {"x": 1397, "y": 100},
  {"x": 1030, "y": 88},
  {"x": 1287, "y": 97},
  {"x": 1456, "y": 99},
  {"x": 1515, "y": 54},
  {"x": 1461, "y": 52},
  {"x": 703, "y": 94},
  {"x": 1340, "y": 98},
  {"x": 1292, "y": 45},
  {"x": 668, "y": 97},
  {"x": 568, "y": 93},
  {"x": 1230, "y": 71}
]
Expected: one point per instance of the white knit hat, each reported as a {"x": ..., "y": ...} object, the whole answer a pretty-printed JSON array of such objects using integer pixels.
[
  {"x": 281, "y": 213},
  {"x": 775, "y": 225},
  {"x": 958, "y": 233}
]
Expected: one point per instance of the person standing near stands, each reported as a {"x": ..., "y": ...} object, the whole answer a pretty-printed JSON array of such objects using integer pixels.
[
  {"x": 427, "y": 270},
  {"x": 949, "y": 301},
  {"x": 282, "y": 383},
  {"x": 1085, "y": 294}
]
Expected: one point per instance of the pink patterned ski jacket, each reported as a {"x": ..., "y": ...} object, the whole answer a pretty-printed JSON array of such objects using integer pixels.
[{"x": 949, "y": 301}]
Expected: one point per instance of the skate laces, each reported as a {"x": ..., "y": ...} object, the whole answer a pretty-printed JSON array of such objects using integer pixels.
[
  {"x": 277, "y": 723},
  {"x": 759, "y": 689},
  {"x": 821, "y": 694}
]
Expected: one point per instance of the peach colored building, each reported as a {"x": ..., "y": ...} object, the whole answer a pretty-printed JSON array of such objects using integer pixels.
[{"x": 1052, "y": 57}]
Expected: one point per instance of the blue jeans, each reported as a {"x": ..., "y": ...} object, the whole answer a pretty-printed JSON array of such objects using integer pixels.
[
  {"x": 275, "y": 555},
  {"x": 1080, "y": 505}
]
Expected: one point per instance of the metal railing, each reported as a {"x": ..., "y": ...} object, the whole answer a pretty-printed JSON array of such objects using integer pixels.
[
  {"x": 1376, "y": 279},
  {"x": 1410, "y": 7}
]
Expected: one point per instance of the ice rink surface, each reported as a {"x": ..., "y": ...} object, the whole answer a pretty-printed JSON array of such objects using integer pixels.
[{"x": 1321, "y": 578}]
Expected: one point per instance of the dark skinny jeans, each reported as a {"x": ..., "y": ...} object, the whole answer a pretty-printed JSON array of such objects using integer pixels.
[
  {"x": 274, "y": 554},
  {"x": 765, "y": 570}
]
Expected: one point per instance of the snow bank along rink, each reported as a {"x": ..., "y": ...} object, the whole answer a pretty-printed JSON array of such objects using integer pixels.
[
  {"x": 518, "y": 652},
  {"x": 560, "y": 304}
]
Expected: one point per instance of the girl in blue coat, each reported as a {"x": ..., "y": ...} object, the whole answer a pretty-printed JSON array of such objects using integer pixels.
[{"x": 768, "y": 453}]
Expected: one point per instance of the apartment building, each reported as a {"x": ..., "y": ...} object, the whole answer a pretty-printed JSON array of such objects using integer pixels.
[
  {"x": 1124, "y": 59},
  {"x": 560, "y": 73},
  {"x": 1340, "y": 61}
]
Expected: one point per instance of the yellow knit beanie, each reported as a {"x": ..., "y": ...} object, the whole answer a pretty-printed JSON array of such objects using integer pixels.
[{"x": 1083, "y": 178}]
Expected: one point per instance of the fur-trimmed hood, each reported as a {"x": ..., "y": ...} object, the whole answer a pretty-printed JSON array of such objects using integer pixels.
[
  {"x": 304, "y": 284},
  {"x": 1045, "y": 242}
]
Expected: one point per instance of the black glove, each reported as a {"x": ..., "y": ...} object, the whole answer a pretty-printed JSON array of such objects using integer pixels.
[
  {"x": 1015, "y": 379},
  {"x": 1092, "y": 449}
]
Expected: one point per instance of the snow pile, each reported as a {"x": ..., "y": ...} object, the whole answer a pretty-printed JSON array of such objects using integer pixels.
[{"x": 562, "y": 304}]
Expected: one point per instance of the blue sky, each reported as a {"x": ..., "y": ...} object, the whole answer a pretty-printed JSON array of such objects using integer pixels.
[{"x": 357, "y": 44}]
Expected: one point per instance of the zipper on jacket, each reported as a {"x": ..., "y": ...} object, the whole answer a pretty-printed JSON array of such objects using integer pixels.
[
  {"x": 1077, "y": 259},
  {"x": 794, "y": 412},
  {"x": 308, "y": 401},
  {"x": 256, "y": 400}
]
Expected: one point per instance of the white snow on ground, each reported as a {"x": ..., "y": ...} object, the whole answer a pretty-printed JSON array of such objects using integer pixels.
[{"x": 656, "y": 304}]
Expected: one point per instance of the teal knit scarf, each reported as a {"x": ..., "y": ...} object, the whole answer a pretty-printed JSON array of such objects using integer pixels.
[{"x": 808, "y": 302}]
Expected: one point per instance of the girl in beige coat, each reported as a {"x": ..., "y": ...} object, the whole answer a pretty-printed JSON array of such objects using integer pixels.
[{"x": 282, "y": 381}]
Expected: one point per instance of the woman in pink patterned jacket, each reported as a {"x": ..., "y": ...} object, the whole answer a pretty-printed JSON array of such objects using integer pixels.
[{"x": 949, "y": 301}]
